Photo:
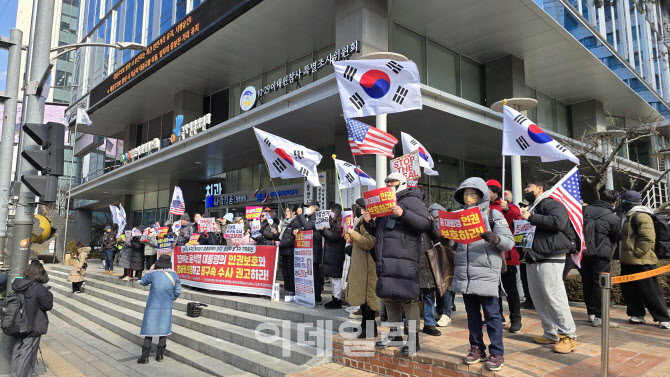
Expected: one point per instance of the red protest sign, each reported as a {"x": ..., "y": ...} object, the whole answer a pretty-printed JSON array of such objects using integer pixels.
[
  {"x": 380, "y": 201},
  {"x": 463, "y": 226},
  {"x": 207, "y": 224},
  {"x": 243, "y": 269},
  {"x": 408, "y": 165},
  {"x": 253, "y": 212}
]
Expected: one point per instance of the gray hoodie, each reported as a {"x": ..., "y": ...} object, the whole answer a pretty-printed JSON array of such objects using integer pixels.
[{"x": 477, "y": 265}]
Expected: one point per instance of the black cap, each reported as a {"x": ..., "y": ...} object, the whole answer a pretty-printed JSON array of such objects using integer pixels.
[
  {"x": 361, "y": 202},
  {"x": 164, "y": 261},
  {"x": 312, "y": 203}
]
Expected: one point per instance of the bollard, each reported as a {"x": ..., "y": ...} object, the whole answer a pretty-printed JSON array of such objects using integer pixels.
[{"x": 606, "y": 285}]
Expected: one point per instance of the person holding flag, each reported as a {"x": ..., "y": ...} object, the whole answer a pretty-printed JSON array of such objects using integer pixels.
[{"x": 554, "y": 238}]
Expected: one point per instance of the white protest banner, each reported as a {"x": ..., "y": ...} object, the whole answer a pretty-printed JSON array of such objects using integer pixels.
[
  {"x": 408, "y": 165},
  {"x": 234, "y": 231},
  {"x": 304, "y": 269},
  {"x": 322, "y": 220},
  {"x": 523, "y": 234},
  {"x": 207, "y": 224},
  {"x": 255, "y": 228}
]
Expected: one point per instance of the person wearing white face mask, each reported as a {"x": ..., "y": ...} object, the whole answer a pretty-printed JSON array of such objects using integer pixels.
[{"x": 307, "y": 221}]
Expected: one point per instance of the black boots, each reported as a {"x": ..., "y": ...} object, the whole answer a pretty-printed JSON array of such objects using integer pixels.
[
  {"x": 368, "y": 320},
  {"x": 335, "y": 304},
  {"x": 159, "y": 353},
  {"x": 407, "y": 348},
  {"x": 144, "y": 359},
  {"x": 394, "y": 339}
]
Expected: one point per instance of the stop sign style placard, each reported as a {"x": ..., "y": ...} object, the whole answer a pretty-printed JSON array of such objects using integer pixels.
[{"x": 408, "y": 165}]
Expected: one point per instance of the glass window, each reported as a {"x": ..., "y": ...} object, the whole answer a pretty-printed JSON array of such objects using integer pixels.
[
  {"x": 138, "y": 21},
  {"x": 181, "y": 10},
  {"x": 149, "y": 217},
  {"x": 545, "y": 112},
  {"x": 137, "y": 219},
  {"x": 246, "y": 179},
  {"x": 412, "y": 45},
  {"x": 154, "y": 129},
  {"x": 128, "y": 28},
  {"x": 326, "y": 70},
  {"x": 150, "y": 22},
  {"x": 563, "y": 119},
  {"x": 167, "y": 126},
  {"x": 137, "y": 202},
  {"x": 293, "y": 67},
  {"x": 472, "y": 81},
  {"x": 442, "y": 66},
  {"x": 166, "y": 15},
  {"x": 532, "y": 113},
  {"x": 270, "y": 77},
  {"x": 161, "y": 215},
  {"x": 220, "y": 107}
]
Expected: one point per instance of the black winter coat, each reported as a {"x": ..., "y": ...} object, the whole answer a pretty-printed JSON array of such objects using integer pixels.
[
  {"x": 137, "y": 254},
  {"x": 210, "y": 239},
  {"x": 261, "y": 240},
  {"x": 287, "y": 242},
  {"x": 109, "y": 241},
  {"x": 38, "y": 301},
  {"x": 552, "y": 222},
  {"x": 398, "y": 249},
  {"x": 333, "y": 249},
  {"x": 607, "y": 227},
  {"x": 426, "y": 278},
  {"x": 310, "y": 224}
]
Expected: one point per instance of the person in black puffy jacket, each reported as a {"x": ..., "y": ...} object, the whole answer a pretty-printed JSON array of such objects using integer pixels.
[
  {"x": 397, "y": 249},
  {"x": 333, "y": 255},
  {"x": 594, "y": 262},
  {"x": 38, "y": 301}
]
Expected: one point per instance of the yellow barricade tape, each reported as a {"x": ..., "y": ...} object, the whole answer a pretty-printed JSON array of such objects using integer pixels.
[{"x": 640, "y": 275}]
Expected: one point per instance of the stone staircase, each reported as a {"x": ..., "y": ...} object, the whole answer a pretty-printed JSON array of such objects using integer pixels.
[{"x": 223, "y": 341}]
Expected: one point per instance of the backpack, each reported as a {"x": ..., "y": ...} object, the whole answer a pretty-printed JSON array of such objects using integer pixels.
[
  {"x": 662, "y": 230},
  {"x": 14, "y": 320},
  {"x": 590, "y": 235}
]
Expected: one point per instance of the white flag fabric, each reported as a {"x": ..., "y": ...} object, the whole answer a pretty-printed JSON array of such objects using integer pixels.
[
  {"x": 377, "y": 86},
  {"x": 521, "y": 137},
  {"x": 121, "y": 216},
  {"x": 82, "y": 117},
  {"x": 348, "y": 175},
  {"x": 410, "y": 144},
  {"x": 178, "y": 205},
  {"x": 288, "y": 160},
  {"x": 115, "y": 211}
]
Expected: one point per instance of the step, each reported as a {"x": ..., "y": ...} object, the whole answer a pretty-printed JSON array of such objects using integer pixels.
[
  {"x": 131, "y": 339},
  {"x": 135, "y": 300},
  {"x": 244, "y": 303},
  {"x": 129, "y": 327},
  {"x": 238, "y": 318}
]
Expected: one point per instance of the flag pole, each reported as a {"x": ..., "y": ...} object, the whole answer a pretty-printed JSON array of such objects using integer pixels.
[
  {"x": 358, "y": 175},
  {"x": 504, "y": 102},
  {"x": 337, "y": 182}
]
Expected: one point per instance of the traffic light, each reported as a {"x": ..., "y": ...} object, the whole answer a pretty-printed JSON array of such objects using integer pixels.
[{"x": 48, "y": 160}]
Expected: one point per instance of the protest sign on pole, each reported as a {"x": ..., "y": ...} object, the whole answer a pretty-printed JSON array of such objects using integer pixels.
[
  {"x": 128, "y": 234},
  {"x": 243, "y": 269},
  {"x": 234, "y": 231},
  {"x": 462, "y": 226},
  {"x": 161, "y": 232},
  {"x": 408, "y": 165},
  {"x": 322, "y": 220},
  {"x": 524, "y": 233},
  {"x": 207, "y": 224},
  {"x": 164, "y": 245},
  {"x": 347, "y": 223},
  {"x": 253, "y": 212},
  {"x": 379, "y": 201},
  {"x": 304, "y": 269}
]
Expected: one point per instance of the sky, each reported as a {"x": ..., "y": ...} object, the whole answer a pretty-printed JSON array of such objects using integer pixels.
[{"x": 7, "y": 21}]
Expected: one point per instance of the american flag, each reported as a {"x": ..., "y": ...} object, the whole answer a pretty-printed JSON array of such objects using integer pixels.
[
  {"x": 178, "y": 206},
  {"x": 364, "y": 139},
  {"x": 567, "y": 191}
]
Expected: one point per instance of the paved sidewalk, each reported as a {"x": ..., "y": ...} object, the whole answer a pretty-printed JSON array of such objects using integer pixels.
[{"x": 70, "y": 352}]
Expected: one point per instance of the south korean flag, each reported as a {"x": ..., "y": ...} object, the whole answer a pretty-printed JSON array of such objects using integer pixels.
[
  {"x": 377, "y": 86},
  {"x": 521, "y": 137},
  {"x": 288, "y": 160}
]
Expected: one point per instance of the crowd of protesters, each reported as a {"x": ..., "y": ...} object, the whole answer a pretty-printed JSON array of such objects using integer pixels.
[{"x": 388, "y": 267}]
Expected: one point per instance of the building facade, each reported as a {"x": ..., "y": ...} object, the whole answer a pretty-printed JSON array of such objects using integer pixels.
[{"x": 590, "y": 69}]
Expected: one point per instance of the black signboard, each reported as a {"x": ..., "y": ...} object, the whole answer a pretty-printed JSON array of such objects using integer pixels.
[{"x": 202, "y": 22}]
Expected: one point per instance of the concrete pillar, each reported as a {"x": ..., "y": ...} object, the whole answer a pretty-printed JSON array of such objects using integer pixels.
[
  {"x": 363, "y": 20},
  {"x": 188, "y": 104},
  {"x": 506, "y": 78}
]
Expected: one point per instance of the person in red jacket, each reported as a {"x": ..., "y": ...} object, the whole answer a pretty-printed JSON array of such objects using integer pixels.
[{"x": 508, "y": 277}]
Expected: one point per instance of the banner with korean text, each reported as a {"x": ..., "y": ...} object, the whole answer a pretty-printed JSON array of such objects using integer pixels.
[
  {"x": 380, "y": 201},
  {"x": 207, "y": 224},
  {"x": 524, "y": 233},
  {"x": 243, "y": 269},
  {"x": 304, "y": 269},
  {"x": 462, "y": 226},
  {"x": 165, "y": 245}
]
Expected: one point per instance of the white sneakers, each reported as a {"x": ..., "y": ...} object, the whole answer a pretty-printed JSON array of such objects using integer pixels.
[
  {"x": 591, "y": 318},
  {"x": 597, "y": 322},
  {"x": 636, "y": 320},
  {"x": 444, "y": 321},
  {"x": 664, "y": 325}
]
